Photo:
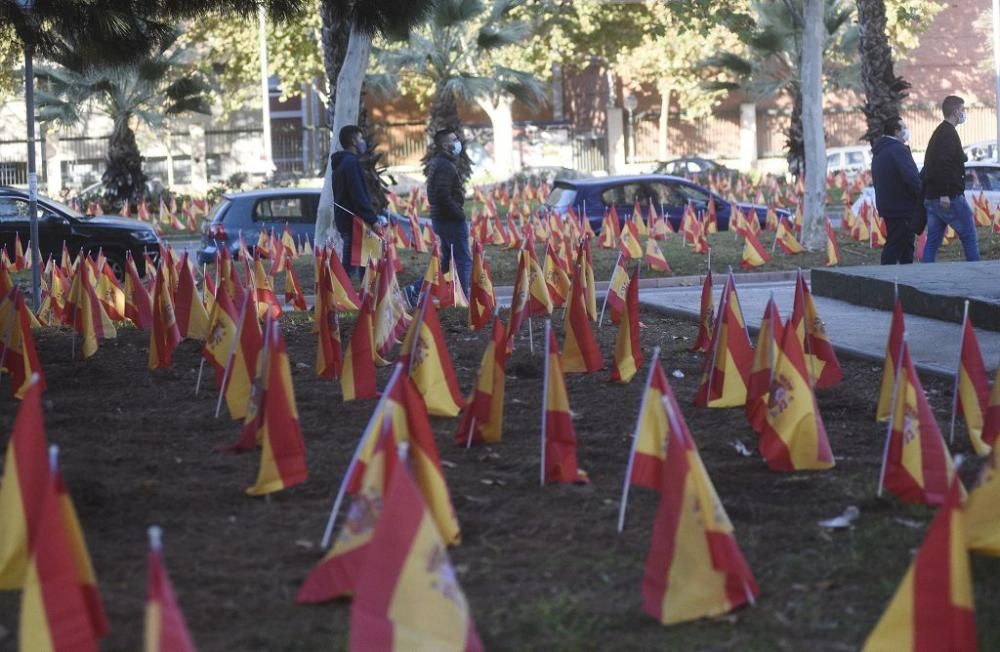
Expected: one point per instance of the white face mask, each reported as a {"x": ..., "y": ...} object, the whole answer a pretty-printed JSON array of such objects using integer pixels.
[
  {"x": 456, "y": 148},
  {"x": 905, "y": 136},
  {"x": 961, "y": 117}
]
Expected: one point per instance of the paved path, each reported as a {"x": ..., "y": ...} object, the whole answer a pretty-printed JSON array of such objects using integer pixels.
[{"x": 856, "y": 330}]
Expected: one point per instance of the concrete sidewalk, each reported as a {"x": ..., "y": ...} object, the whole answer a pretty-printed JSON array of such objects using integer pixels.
[{"x": 854, "y": 330}]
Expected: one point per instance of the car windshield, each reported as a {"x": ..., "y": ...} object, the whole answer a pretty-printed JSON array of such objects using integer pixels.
[
  {"x": 63, "y": 208},
  {"x": 560, "y": 197}
]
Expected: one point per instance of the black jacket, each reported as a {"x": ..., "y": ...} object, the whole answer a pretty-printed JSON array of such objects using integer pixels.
[
  {"x": 349, "y": 191},
  {"x": 444, "y": 190},
  {"x": 897, "y": 182},
  {"x": 944, "y": 163}
]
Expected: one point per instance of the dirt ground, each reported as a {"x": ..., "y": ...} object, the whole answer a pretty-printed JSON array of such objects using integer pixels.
[{"x": 543, "y": 568}]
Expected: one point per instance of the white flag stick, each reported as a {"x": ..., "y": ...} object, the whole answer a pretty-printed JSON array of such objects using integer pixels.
[
  {"x": 545, "y": 396},
  {"x": 635, "y": 440},
  {"x": 958, "y": 373},
  {"x": 231, "y": 355},
  {"x": 201, "y": 369}
]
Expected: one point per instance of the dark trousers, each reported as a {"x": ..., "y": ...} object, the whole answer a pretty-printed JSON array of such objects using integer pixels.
[
  {"x": 898, "y": 242},
  {"x": 455, "y": 238},
  {"x": 345, "y": 258}
]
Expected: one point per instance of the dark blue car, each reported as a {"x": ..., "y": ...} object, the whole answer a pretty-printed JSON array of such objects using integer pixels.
[{"x": 670, "y": 195}]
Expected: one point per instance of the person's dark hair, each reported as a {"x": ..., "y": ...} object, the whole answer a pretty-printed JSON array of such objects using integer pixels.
[
  {"x": 892, "y": 125},
  {"x": 951, "y": 103},
  {"x": 440, "y": 135},
  {"x": 347, "y": 135}
]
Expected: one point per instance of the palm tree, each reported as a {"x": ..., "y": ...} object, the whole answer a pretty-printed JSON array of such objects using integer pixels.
[
  {"x": 148, "y": 90},
  {"x": 884, "y": 90},
  {"x": 772, "y": 62},
  {"x": 456, "y": 53}
]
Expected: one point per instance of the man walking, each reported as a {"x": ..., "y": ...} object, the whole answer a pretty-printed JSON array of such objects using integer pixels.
[
  {"x": 944, "y": 184},
  {"x": 898, "y": 195},
  {"x": 350, "y": 192}
]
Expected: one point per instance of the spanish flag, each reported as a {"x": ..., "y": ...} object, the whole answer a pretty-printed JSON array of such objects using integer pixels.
[
  {"x": 972, "y": 388},
  {"x": 654, "y": 257},
  {"x": 138, "y": 305},
  {"x": 556, "y": 276},
  {"x": 584, "y": 257},
  {"x": 832, "y": 248},
  {"x": 539, "y": 300},
  {"x": 558, "y": 433},
  {"x": 917, "y": 467},
  {"x": 982, "y": 511},
  {"x": 694, "y": 568},
  {"x": 261, "y": 283},
  {"x": 793, "y": 437},
  {"x": 518, "y": 301},
  {"x": 628, "y": 243},
  {"x": 357, "y": 380},
  {"x": 366, "y": 245},
  {"x": 628, "y": 352},
  {"x": 164, "y": 336},
  {"x": 609, "y": 232},
  {"x": 293, "y": 290},
  {"x": 344, "y": 296},
  {"x": 337, "y": 573},
  {"x": 821, "y": 360},
  {"x": 617, "y": 289},
  {"x": 705, "y": 317},
  {"x": 636, "y": 218},
  {"x": 407, "y": 597},
  {"x": 933, "y": 606},
  {"x": 165, "y": 629},
  {"x": 482, "y": 416},
  {"x": 433, "y": 277},
  {"x": 283, "y": 456},
  {"x": 192, "y": 318},
  {"x": 754, "y": 254},
  {"x": 234, "y": 343},
  {"x": 54, "y": 611},
  {"x": 649, "y": 442},
  {"x": 891, "y": 363},
  {"x": 19, "y": 358},
  {"x": 84, "y": 310},
  {"x": 390, "y": 318},
  {"x": 426, "y": 361},
  {"x": 786, "y": 239},
  {"x": 726, "y": 370},
  {"x": 109, "y": 291},
  {"x": 482, "y": 299},
  {"x": 991, "y": 423},
  {"x": 22, "y": 488},
  {"x": 580, "y": 350},
  {"x": 329, "y": 353},
  {"x": 769, "y": 339}
]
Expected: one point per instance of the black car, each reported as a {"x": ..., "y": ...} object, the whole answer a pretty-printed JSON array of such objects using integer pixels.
[
  {"x": 58, "y": 223},
  {"x": 670, "y": 195}
]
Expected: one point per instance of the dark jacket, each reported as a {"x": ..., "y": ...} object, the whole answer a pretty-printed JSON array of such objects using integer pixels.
[
  {"x": 944, "y": 163},
  {"x": 897, "y": 182},
  {"x": 445, "y": 192},
  {"x": 349, "y": 191}
]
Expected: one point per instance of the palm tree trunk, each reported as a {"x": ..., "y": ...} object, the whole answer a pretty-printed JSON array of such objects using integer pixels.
[
  {"x": 814, "y": 210},
  {"x": 502, "y": 120},
  {"x": 123, "y": 179},
  {"x": 336, "y": 33},
  {"x": 884, "y": 91},
  {"x": 795, "y": 148},
  {"x": 444, "y": 115}
]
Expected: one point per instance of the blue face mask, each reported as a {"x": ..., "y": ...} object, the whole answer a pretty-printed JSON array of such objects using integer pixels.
[{"x": 362, "y": 147}]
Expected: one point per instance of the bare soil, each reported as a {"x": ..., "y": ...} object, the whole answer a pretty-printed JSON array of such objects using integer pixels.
[{"x": 543, "y": 568}]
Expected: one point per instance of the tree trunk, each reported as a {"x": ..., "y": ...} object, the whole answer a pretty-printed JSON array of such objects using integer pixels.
[
  {"x": 814, "y": 210},
  {"x": 795, "y": 151},
  {"x": 663, "y": 141},
  {"x": 884, "y": 91},
  {"x": 502, "y": 120},
  {"x": 348, "y": 93},
  {"x": 444, "y": 115},
  {"x": 335, "y": 34},
  {"x": 123, "y": 178}
]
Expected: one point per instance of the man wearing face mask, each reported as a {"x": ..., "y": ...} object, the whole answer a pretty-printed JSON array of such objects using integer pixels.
[
  {"x": 350, "y": 192},
  {"x": 944, "y": 184},
  {"x": 898, "y": 194}
]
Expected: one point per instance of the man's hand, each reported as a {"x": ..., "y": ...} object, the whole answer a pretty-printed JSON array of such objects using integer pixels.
[{"x": 945, "y": 201}]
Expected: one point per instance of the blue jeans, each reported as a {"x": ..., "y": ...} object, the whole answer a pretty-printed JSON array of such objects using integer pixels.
[
  {"x": 345, "y": 258},
  {"x": 959, "y": 217},
  {"x": 455, "y": 236}
]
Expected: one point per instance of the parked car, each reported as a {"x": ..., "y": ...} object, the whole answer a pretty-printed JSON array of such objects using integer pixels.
[
  {"x": 982, "y": 151},
  {"x": 58, "y": 223},
  {"x": 671, "y": 195},
  {"x": 254, "y": 211},
  {"x": 691, "y": 166},
  {"x": 851, "y": 160},
  {"x": 980, "y": 177}
]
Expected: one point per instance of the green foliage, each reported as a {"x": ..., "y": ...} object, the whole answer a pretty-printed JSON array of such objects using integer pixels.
[{"x": 11, "y": 54}]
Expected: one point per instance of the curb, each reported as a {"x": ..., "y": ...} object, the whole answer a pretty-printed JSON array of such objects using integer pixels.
[{"x": 745, "y": 278}]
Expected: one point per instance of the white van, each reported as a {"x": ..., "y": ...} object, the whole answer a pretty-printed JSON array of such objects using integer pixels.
[{"x": 851, "y": 160}]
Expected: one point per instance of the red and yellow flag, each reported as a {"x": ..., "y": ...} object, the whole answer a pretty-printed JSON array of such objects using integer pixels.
[
  {"x": 426, "y": 361},
  {"x": 727, "y": 365},
  {"x": 991, "y": 422},
  {"x": 558, "y": 433},
  {"x": 344, "y": 296},
  {"x": 832, "y": 248},
  {"x": 482, "y": 416},
  {"x": 109, "y": 291},
  {"x": 584, "y": 258},
  {"x": 580, "y": 350},
  {"x": 754, "y": 254},
  {"x": 326, "y": 325},
  {"x": 651, "y": 432},
  {"x": 539, "y": 300},
  {"x": 357, "y": 380},
  {"x": 628, "y": 352},
  {"x": 628, "y": 243},
  {"x": 192, "y": 318},
  {"x": 786, "y": 239},
  {"x": 557, "y": 279},
  {"x": 18, "y": 356},
  {"x": 165, "y": 335},
  {"x": 705, "y": 316},
  {"x": 293, "y": 290},
  {"x": 165, "y": 629},
  {"x": 86, "y": 314},
  {"x": 233, "y": 343},
  {"x": 933, "y": 607},
  {"x": 694, "y": 568},
  {"x": 407, "y": 597},
  {"x": 884, "y": 407},
  {"x": 366, "y": 245},
  {"x": 972, "y": 388},
  {"x": 390, "y": 318},
  {"x": 793, "y": 437},
  {"x": 138, "y": 304},
  {"x": 654, "y": 257},
  {"x": 917, "y": 467},
  {"x": 617, "y": 289},
  {"x": 482, "y": 299},
  {"x": 821, "y": 359},
  {"x": 769, "y": 339}
]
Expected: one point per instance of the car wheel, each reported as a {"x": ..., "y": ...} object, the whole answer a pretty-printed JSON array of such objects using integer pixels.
[{"x": 117, "y": 264}]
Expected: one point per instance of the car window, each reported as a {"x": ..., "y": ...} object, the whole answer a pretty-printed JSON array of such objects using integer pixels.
[
  {"x": 13, "y": 209},
  {"x": 625, "y": 196},
  {"x": 974, "y": 178},
  {"x": 679, "y": 195},
  {"x": 855, "y": 158},
  {"x": 988, "y": 177},
  {"x": 560, "y": 197},
  {"x": 281, "y": 209}
]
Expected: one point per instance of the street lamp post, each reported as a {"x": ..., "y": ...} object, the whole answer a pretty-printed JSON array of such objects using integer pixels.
[
  {"x": 631, "y": 104},
  {"x": 996, "y": 70},
  {"x": 29, "y": 100}
]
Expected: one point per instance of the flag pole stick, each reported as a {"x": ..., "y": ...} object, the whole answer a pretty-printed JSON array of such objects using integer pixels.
[
  {"x": 716, "y": 327},
  {"x": 746, "y": 329},
  {"x": 369, "y": 429},
  {"x": 472, "y": 430},
  {"x": 807, "y": 346},
  {"x": 635, "y": 440},
  {"x": 201, "y": 369},
  {"x": 958, "y": 373},
  {"x": 231, "y": 355},
  {"x": 545, "y": 396},
  {"x": 892, "y": 414},
  {"x": 531, "y": 334}
]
